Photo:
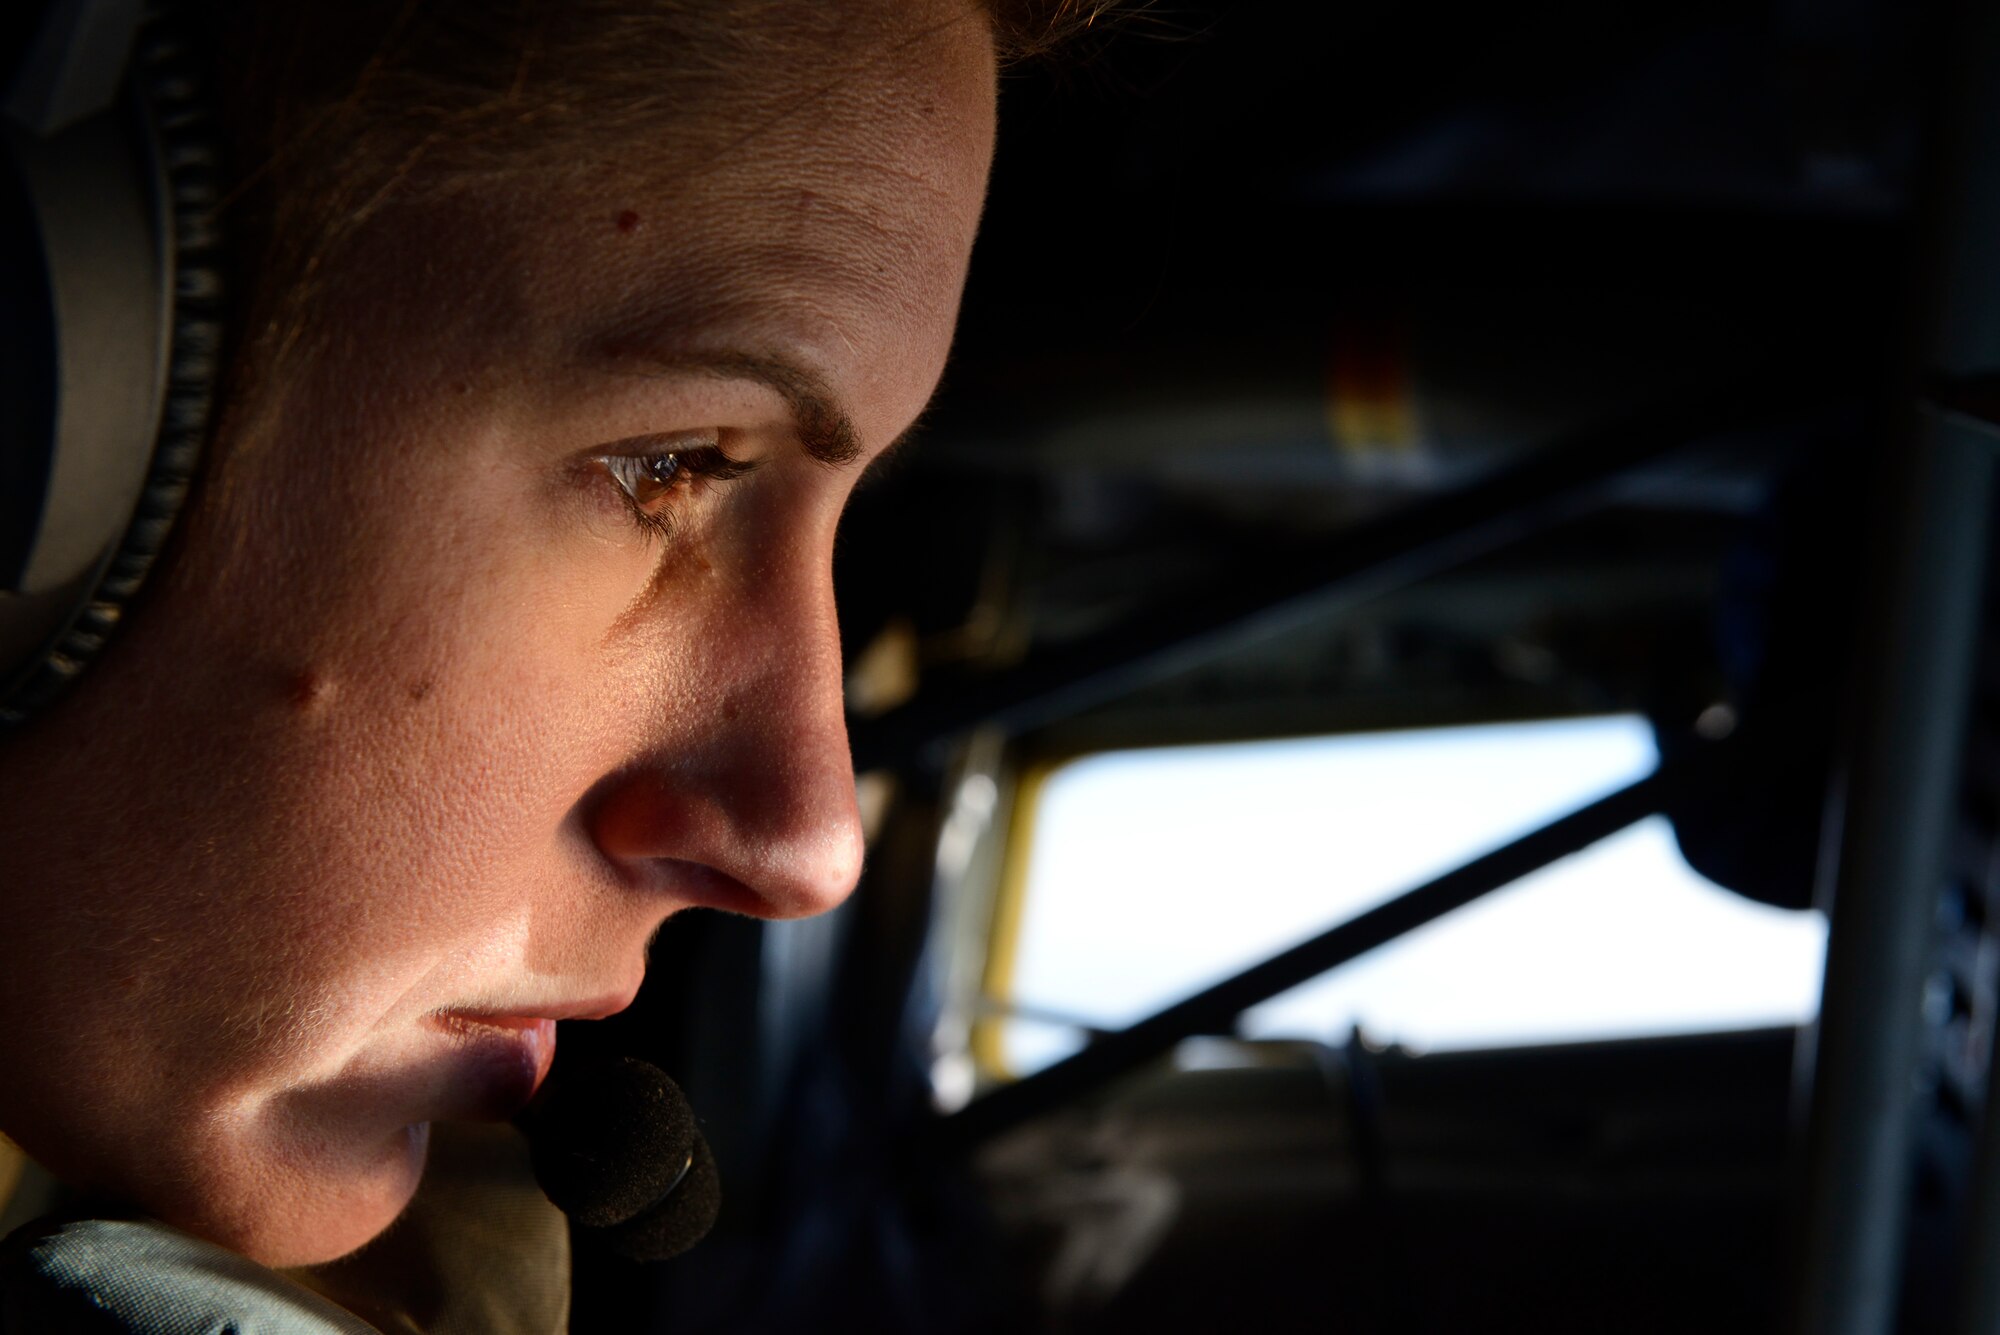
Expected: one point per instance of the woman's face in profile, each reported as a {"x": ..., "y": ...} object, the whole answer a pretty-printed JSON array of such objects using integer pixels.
[{"x": 504, "y": 631}]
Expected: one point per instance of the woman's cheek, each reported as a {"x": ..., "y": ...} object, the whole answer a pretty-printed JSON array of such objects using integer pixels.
[{"x": 504, "y": 607}]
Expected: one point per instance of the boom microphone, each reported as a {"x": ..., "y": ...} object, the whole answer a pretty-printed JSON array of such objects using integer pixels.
[{"x": 615, "y": 1147}]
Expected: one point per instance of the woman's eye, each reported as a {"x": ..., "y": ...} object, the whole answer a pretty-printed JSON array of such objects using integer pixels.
[
  {"x": 645, "y": 479},
  {"x": 652, "y": 484}
]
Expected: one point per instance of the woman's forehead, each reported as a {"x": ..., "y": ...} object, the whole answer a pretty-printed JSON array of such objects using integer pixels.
[
  {"x": 842, "y": 231},
  {"x": 835, "y": 240}
]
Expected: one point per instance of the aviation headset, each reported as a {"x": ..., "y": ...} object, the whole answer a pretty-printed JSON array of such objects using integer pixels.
[{"x": 111, "y": 305}]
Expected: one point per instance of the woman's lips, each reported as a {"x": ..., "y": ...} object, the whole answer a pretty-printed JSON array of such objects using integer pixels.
[{"x": 499, "y": 1061}]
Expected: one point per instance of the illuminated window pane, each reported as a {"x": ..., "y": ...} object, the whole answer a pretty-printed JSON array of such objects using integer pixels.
[{"x": 1155, "y": 873}]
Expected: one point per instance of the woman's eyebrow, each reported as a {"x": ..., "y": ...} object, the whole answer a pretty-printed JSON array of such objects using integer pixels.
[{"x": 826, "y": 431}]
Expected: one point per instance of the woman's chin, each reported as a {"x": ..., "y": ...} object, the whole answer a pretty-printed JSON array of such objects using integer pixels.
[{"x": 301, "y": 1208}]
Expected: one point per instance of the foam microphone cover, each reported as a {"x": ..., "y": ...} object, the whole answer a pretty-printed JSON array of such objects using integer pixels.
[{"x": 615, "y": 1147}]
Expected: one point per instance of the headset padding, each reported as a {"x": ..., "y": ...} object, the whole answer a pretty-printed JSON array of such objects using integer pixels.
[{"x": 167, "y": 78}]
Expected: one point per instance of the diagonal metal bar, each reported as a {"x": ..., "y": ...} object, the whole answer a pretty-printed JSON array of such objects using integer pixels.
[
  {"x": 1216, "y": 1008},
  {"x": 1555, "y": 484}
]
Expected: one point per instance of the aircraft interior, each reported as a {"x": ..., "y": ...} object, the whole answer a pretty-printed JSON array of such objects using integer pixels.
[{"x": 1363, "y": 372}]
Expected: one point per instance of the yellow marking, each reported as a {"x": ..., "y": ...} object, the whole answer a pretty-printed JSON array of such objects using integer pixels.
[{"x": 1003, "y": 942}]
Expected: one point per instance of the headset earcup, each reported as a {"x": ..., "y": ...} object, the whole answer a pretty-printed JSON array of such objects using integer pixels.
[{"x": 167, "y": 80}]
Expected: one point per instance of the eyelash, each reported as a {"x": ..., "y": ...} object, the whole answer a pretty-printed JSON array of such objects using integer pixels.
[{"x": 650, "y": 484}]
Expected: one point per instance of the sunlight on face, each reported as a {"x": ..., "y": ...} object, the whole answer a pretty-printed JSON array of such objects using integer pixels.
[{"x": 506, "y": 632}]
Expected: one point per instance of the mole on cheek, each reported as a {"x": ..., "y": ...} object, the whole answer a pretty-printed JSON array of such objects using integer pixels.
[
  {"x": 421, "y": 687},
  {"x": 628, "y": 221},
  {"x": 308, "y": 690}
]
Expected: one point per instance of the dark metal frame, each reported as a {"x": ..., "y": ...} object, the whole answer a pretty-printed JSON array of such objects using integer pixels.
[
  {"x": 1882, "y": 885},
  {"x": 1884, "y": 876}
]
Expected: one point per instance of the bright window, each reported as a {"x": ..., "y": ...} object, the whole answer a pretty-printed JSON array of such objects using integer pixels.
[{"x": 1155, "y": 873}]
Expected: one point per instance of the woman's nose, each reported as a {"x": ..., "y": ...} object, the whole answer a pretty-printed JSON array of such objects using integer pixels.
[{"x": 750, "y": 806}]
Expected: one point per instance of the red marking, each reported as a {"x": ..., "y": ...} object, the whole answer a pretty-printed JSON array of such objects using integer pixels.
[{"x": 628, "y": 221}]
